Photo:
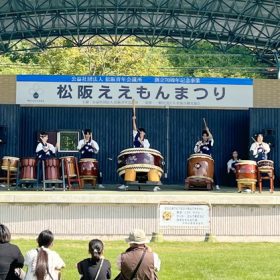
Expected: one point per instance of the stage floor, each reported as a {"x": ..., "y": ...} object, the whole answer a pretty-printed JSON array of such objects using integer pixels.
[{"x": 168, "y": 194}]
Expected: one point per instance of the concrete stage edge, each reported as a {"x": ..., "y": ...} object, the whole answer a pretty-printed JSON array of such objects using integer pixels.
[{"x": 111, "y": 214}]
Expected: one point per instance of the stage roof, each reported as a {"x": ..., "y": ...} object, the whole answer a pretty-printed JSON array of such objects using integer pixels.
[{"x": 251, "y": 23}]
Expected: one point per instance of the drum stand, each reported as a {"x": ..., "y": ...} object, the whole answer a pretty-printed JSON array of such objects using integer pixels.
[
  {"x": 71, "y": 179},
  {"x": 53, "y": 181},
  {"x": 198, "y": 183},
  {"x": 244, "y": 183},
  {"x": 10, "y": 175},
  {"x": 91, "y": 179},
  {"x": 266, "y": 174}
]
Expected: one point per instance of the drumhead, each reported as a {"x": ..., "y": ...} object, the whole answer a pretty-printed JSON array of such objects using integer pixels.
[
  {"x": 251, "y": 162},
  {"x": 69, "y": 157},
  {"x": 87, "y": 160},
  {"x": 11, "y": 158},
  {"x": 265, "y": 161},
  {"x": 202, "y": 156},
  {"x": 140, "y": 151}
]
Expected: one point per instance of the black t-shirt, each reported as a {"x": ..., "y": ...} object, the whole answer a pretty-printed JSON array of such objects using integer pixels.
[
  {"x": 10, "y": 258},
  {"x": 88, "y": 269}
]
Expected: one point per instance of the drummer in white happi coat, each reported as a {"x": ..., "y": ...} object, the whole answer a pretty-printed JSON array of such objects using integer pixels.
[
  {"x": 205, "y": 146},
  {"x": 259, "y": 149},
  {"x": 88, "y": 148},
  {"x": 139, "y": 140}
]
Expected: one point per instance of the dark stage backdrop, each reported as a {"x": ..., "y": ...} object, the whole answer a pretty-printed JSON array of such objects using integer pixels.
[
  {"x": 267, "y": 121},
  {"x": 173, "y": 132}
]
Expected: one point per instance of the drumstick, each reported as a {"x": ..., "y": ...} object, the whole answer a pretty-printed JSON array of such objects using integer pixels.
[
  {"x": 133, "y": 107},
  {"x": 205, "y": 122},
  {"x": 254, "y": 139}
]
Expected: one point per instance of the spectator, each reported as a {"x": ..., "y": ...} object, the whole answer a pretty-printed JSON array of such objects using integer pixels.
[
  {"x": 43, "y": 263},
  {"x": 231, "y": 169},
  {"x": 11, "y": 257},
  {"x": 138, "y": 261},
  {"x": 96, "y": 267}
]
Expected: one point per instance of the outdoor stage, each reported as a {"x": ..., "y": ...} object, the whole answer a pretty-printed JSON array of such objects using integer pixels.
[{"x": 110, "y": 214}]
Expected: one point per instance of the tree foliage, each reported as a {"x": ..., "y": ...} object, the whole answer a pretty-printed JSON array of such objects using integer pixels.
[{"x": 202, "y": 60}]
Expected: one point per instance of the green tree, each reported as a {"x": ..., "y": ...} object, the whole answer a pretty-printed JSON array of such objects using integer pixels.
[{"x": 202, "y": 60}]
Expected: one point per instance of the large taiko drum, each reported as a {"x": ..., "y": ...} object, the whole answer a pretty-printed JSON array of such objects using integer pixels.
[
  {"x": 246, "y": 171},
  {"x": 52, "y": 169},
  {"x": 28, "y": 169},
  {"x": 69, "y": 166},
  {"x": 10, "y": 161},
  {"x": 200, "y": 171},
  {"x": 265, "y": 165},
  {"x": 140, "y": 164},
  {"x": 88, "y": 167}
]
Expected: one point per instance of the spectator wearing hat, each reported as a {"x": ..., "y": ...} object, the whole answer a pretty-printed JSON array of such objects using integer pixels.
[{"x": 138, "y": 261}]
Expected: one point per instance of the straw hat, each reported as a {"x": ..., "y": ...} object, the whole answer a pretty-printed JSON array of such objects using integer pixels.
[{"x": 137, "y": 236}]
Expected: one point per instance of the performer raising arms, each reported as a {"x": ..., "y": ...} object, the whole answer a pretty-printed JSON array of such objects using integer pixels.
[
  {"x": 205, "y": 146},
  {"x": 88, "y": 148},
  {"x": 259, "y": 149},
  {"x": 45, "y": 150},
  {"x": 139, "y": 140}
]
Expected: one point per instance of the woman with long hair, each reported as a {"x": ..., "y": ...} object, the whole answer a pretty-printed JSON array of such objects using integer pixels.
[
  {"x": 96, "y": 267},
  {"x": 43, "y": 263}
]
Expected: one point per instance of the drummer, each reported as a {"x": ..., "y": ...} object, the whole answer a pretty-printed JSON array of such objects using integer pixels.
[
  {"x": 139, "y": 140},
  {"x": 205, "y": 146},
  {"x": 231, "y": 169},
  {"x": 45, "y": 150},
  {"x": 88, "y": 148},
  {"x": 259, "y": 149}
]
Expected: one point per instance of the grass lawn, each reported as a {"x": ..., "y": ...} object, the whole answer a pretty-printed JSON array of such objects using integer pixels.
[{"x": 184, "y": 260}]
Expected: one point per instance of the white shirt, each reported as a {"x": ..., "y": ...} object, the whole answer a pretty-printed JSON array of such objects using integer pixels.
[
  {"x": 229, "y": 164},
  {"x": 255, "y": 146},
  {"x": 50, "y": 147},
  {"x": 156, "y": 262},
  {"x": 200, "y": 143},
  {"x": 145, "y": 142},
  {"x": 93, "y": 143},
  {"x": 55, "y": 263}
]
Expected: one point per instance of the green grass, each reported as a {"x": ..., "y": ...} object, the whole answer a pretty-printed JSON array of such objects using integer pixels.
[{"x": 184, "y": 260}]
